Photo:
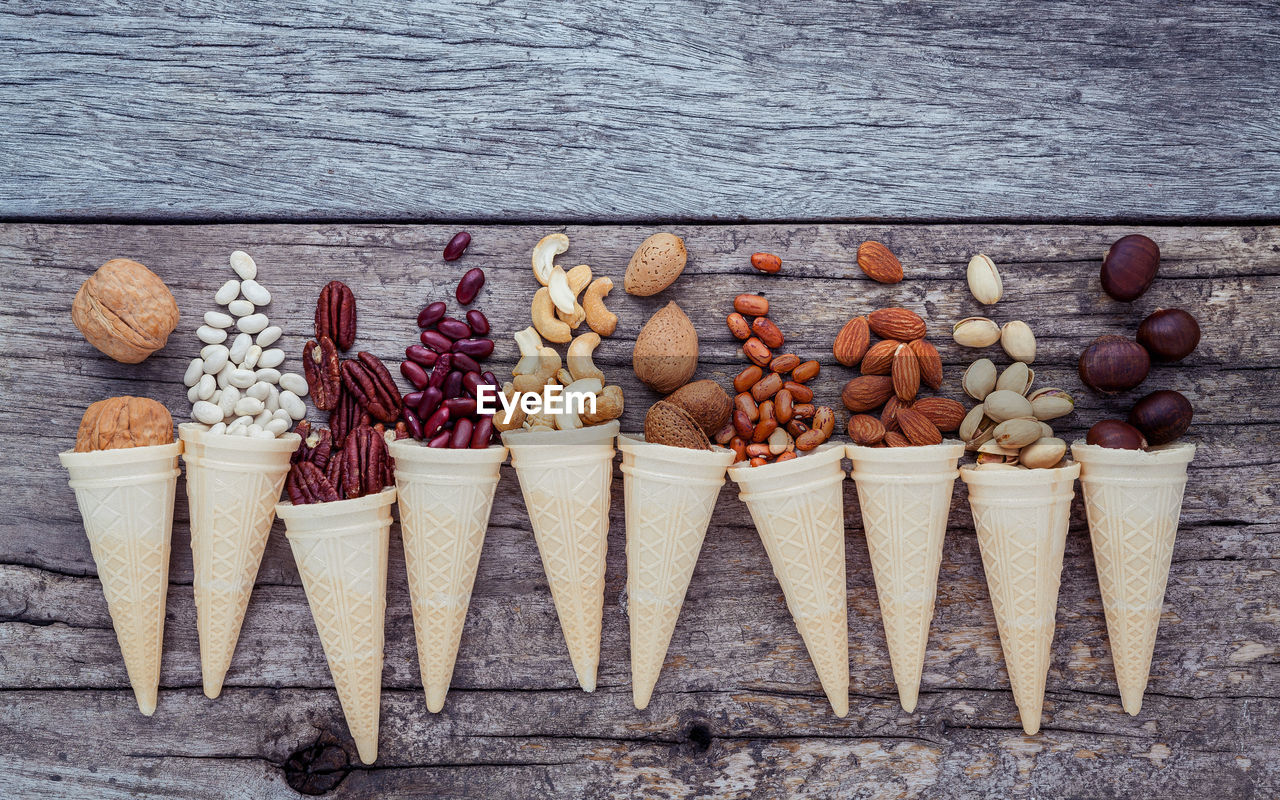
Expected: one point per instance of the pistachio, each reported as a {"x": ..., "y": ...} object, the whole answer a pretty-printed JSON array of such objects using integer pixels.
[
  {"x": 990, "y": 458},
  {"x": 995, "y": 449},
  {"x": 969, "y": 426},
  {"x": 982, "y": 436},
  {"x": 1018, "y": 341},
  {"x": 979, "y": 379},
  {"x": 1017, "y": 377},
  {"x": 1003, "y": 404},
  {"x": 1046, "y": 430},
  {"x": 1016, "y": 433},
  {"x": 984, "y": 280},
  {"x": 1051, "y": 403},
  {"x": 997, "y": 465},
  {"x": 1042, "y": 453},
  {"x": 975, "y": 332}
]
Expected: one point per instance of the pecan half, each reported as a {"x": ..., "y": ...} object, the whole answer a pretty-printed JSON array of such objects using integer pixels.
[
  {"x": 336, "y": 314},
  {"x": 303, "y": 429},
  {"x": 307, "y": 484},
  {"x": 366, "y": 463},
  {"x": 323, "y": 371},
  {"x": 346, "y": 416},
  {"x": 373, "y": 387},
  {"x": 316, "y": 446},
  {"x": 334, "y": 471}
]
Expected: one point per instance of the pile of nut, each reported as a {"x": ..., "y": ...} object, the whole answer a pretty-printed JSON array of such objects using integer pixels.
[
  {"x": 772, "y": 400},
  {"x": 556, "y": 313},
  {"x": 239, "y": 389},
  {"x": 349, "y": 459},
  {"x": 892, "y": 371},
  {"x": 442, "y": 408},
  {"x": 1009, "y": 426}
]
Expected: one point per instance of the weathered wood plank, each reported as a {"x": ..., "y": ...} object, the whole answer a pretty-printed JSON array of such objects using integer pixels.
[
  {"x": 798, "y": 110},
  {"x": 736, "y": 665}
]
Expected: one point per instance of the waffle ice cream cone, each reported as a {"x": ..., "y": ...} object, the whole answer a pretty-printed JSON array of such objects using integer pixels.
[
  {"x": 565, "y": 477},
  {"x": 445, "y": 497},
  {"x": 1022, "y": 516},
  {"x": 1133, "y": 499},
  {"x": 233, "y": 485},
  {"x": 798, "y": 509},
  {"x": 126, "y": 503},
  {"x": 341, "y": 552},
  {"x": 905, "y": 495},
  {"x": 670, "y": 493}
]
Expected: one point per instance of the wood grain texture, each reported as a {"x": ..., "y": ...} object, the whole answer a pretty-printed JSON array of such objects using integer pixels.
[
  {"x": 619, "y": 111},
  {"x": 738, "y": 711}
]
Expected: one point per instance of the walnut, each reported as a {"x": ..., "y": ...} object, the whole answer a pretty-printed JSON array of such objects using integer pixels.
[
  {"x": 124, "y": 422},
  {"x": 125, "y": 310}
]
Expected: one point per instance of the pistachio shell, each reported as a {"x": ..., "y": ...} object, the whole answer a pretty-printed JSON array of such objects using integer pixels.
[
  {"x": 1046, "y": 430},
  {"x": 1016, "y": 433},
  {"x": 979, "y": 379},
  {"x": 1016, "y": 377},
  {"x": 1003, "y": 404},
  {"x": 993, "y": 465},
  {"x": 1042, "y": 453},
  {"x": 1018, "y": 341},
  {"x": 984, "y": 280},
  {"x": 969, "y": 426},
  {"x": 975, "y": 332},
  {"x": 995, "y": 449},
  {"x": 1051, "y": 403}
]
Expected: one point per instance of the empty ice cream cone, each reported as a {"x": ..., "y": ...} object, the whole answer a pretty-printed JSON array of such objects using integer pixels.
[
  {"x": 445, "y": 497},
  {"x": 126, "y": 503},
  {"x": 341, "y": 552},
  {"x": 670, "y": 493},
  {"x": 1022, "y": 516},
  {"x": 905, "y": 494},
  {"x": 233, "y": 485},
  {"x": 565, "y": 478},
  {"x": 1133, "y": 499},
  {"x": 798, "y": 509}
]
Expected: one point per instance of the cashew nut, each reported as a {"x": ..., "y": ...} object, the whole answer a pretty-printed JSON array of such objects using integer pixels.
[
  {"x": 517, "y": 413},
  {"x": 544, "y": 253},
  {"x": 544, "y": 318},
  {"x": 585, "y": 386},
  {"x": 548, "y": 365},
  {"x": 579, "y": 357},
  {"x": 540, "y": 422},
  {"x": 608, "y": 406},
  {"x": 566, "y": 421},
  {"x": 599, "y": 319},
  {"x": 578, "y": 278},
  {"x": 530, "y": 344},
  {"x": 563, "y": 377},
  {"x": 561, "y": 294}
]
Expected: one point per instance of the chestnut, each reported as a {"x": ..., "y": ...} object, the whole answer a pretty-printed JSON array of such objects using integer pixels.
[
  {"x": 1129, "y": 267},
  {"x": 1162, "y": 416},
  {"x": 1113, "y": 364},
  {"x": 1117, "y": 435},
  {"x": 1169, "y": 334}
]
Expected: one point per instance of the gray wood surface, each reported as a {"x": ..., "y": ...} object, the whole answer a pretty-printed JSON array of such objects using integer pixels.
[
  {"x": 621, "y": 111},
  {"x": 738, "y": 710}
]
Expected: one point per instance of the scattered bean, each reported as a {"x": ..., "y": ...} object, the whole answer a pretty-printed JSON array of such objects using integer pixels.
[
  {"x": 194, "y": 370},
  {"x": 216, "y": 319},
  {"x": 240, "y": 308},
  {"x": 244, "y": 265},
  {"x": 254, "y": 323},
  {"x": 470, "y": 286},
  {"x": 255, "y": 293},
  {"x": 210, "y": 335},
  {"x": 229, "y": 291},
  {"x": 269, "y": 336},
  {"x": 457, "y": 246}
]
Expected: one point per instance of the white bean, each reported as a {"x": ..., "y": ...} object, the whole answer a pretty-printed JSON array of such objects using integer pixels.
[
  {"x": 229, "y": 291},
  {"x": 230, "y": 396},
  {"x": 210, "y": 335},
  {"x": 243, "y": 422},
  {"x": 192, "y": 376},
  {"x": 215, "y": 358},
  {"x": 280, "y": 413},
  {"x": 253, "y": 430},
  {"x": 224, "y": 376},
  {"x": 219, "y": 427},
  {"x": 269, "y": 336},
  {"x": 276, "y": 427},
  {"x": 291, "y": 403},
  {"x": 240, "y": 308},
  {"x": 251, "y": 356},
  {"x": 216, "y": 319},
  {"x": 272, "y": 401},
  {"x": 240, "y": 431},
  {"x": 255, "y": 293},
  {"x": 271, "y": 358},
  {"x": 248, "y": 406},
  {"x": 243, "y": 264},
  {"x": 259, "y": 390},
  {"x": 242, "y": 378},
  {"x": 216, "y": 397},
  {"x": 264, "y": 434},
  {"x": 270, "y": 375},
  {"x": 206, "y": 412},
  {"x": 263, "y": 417},
  {"x": 204, "y": 389},
  {"x": 193, "y": 394},
  {"x": 241, "y": 346},
  {"x": 294, "y": 383},
  {"x": 254, "y": 323}
]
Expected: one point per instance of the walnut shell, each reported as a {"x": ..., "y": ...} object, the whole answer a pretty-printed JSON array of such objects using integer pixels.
[
  {"x": 124, "y": 422},
  {"x": 125, "y": 310}
]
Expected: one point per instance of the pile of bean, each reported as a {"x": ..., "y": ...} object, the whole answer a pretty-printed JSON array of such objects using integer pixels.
[
  {"x": 770, "y": 408},
  {"x": 238, "y": 389},
  {"x": 446, "y": 373}
]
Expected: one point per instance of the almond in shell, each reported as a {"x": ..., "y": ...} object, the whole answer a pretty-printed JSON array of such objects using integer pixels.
[{"x": 669, "y": 424}]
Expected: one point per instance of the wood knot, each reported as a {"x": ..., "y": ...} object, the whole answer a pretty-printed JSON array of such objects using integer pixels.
[
  {"x": 700, "y": 737},
  {"x": 317, "y": 768}
]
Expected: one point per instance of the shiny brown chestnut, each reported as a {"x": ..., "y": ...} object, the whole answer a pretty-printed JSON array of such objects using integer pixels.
[
  {"x": 1129, "y": 267},
  {"x": 1169, "y": 334},
  {"x": 1162, "y": 416},
  {"x": 1116, "y": 435},
  {"x": 1113, "y": 364}
]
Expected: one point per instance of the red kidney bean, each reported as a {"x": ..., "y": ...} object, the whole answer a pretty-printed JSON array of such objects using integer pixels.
[
  {"x": 412, "y": 399},
  {"x": 482, "y": 434},
  {"x": 453, "y": 328},
  {"x": 489, "y": 379},
  {"x": 415, "y": 373},
  {"x": 470, "y": 285},
  {"x": 444, "y": 365},
  {"x": 441, "y": 439},
  {"x": 460, "y": 406},
  {"x": 477, "y": 348},
  {"x": 454, "y": 249},
  {"x": 461, "y": 435},
  {"x": 452, "y": 385},
  {"x": 436, "y": 341},
  {"x": 434, "y": 311},
  {"x": 431, "y": 398},
  {"x": 411, "y": 420},
  {"x": 478, "y": 321},
  {"x": 423, "y": 355},
  {"x": 465, "y": 363},
  {"x": 436, "y": 421},
  {"x": 470, "y": 382}
]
